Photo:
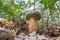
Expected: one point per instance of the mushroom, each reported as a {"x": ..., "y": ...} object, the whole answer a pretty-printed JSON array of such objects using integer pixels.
[{"x": 33, "y": 17}]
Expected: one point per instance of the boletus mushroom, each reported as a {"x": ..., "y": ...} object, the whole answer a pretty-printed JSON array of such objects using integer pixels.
[{"x": 33, "y": 17}]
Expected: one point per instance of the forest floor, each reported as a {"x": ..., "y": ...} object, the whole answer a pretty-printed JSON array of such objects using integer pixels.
[
  {"x": 53, "y": 33},
  {"x": 50, "y": 33},
  {"x": 34, "y": 36}
]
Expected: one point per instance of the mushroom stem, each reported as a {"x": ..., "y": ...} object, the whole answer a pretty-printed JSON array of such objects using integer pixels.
[{"x": 32, "y": 25}]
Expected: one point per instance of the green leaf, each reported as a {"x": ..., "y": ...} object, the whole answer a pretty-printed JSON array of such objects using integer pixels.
[
  {"x": 45, "y": 2},
  {"x": 52, "y": 7},
  {"x": 49, "y": 4},
  {"x": 16, "y": 6}
]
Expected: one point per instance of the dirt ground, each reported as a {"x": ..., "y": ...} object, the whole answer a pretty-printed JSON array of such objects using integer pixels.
[
  {"x": 34, "y": 36},
  {"x": 52, "y": 32}
]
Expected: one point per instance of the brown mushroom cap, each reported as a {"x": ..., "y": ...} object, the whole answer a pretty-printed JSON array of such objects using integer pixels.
[{"x": 34, "y": 14}]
